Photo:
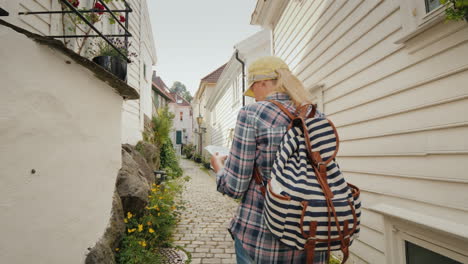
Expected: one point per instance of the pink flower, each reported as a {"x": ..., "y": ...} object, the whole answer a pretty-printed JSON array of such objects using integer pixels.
[
  {"x": 122, "y": 19},
  {"x": 99, "y": 6}
]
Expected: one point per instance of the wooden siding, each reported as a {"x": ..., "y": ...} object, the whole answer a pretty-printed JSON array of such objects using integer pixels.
[
  {"x": 226, "y": 118},
  {"x": 39, "y": 24},
  {"x": 397, "y": 107}
]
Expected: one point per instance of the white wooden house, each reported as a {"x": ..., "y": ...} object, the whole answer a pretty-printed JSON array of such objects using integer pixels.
[
  {"x": 202, "y": 133},
  {"x": 182, "y": 123},
  {"x": 142, "y": 43},
  {"x": 161, "y": 94},
  {"x": 393, "y": 78},
  {"x": 227, "y": 97}
]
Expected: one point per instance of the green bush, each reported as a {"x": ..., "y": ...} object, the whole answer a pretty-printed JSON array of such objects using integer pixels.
[
  {"x": 147, "y": 233},
  {"x": 457, "y": 9},
  {"x": 169, "y": 160},
  {"x": 189, "y": 150}
]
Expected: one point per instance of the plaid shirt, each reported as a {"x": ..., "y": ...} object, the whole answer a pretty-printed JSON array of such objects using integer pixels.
[{"x": 259, "y": 130}]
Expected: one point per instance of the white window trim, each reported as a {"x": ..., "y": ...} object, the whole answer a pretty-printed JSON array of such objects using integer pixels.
[
  {"x": 415, "y": 20},
  {"x": 435, "y": 234},
  {"x": 317, "y": 91}
]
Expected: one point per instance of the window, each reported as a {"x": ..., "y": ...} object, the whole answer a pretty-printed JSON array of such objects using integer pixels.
[
  {"x": 416, "y": 254},
  {"x": 181, "y": 116},
  {"x": 144, "y": 71},
  {"x": 156, "y": 100},
  {"x": 418, "y": 16},
  {"x": 431, "y": 5},
  {"x": 413, "y": 237}
]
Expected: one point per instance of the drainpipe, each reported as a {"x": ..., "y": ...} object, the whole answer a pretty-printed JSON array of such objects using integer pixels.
[{"x": 243, "y": 77}]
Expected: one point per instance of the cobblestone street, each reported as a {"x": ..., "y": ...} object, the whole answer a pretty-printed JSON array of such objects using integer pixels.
[{"x": 203, "y": 228}]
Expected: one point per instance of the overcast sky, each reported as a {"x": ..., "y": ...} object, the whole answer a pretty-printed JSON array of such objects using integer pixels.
[{"x": 193, "y": 38}]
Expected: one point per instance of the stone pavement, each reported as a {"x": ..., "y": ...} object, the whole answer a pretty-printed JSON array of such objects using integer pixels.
[{"x": 202, "y": 230}]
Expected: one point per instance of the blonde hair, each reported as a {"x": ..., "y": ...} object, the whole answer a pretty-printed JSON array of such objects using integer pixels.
[{"x": 288, "y": 83}]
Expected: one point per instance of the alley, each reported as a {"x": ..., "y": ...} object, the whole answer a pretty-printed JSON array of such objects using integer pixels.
[{"x": 203, "y": 227}]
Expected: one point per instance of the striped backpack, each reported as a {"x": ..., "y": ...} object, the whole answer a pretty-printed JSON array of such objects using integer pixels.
[{"x": 308, "y": 204}]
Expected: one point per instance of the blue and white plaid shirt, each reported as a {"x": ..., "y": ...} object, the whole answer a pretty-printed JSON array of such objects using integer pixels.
[{"x": 259, "y": 130}]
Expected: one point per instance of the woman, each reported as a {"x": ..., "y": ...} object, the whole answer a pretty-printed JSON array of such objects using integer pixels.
[{"x": 258, "y": 133}]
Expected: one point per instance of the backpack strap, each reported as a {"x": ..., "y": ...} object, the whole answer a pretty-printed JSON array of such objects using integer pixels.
[{"x": 284, "y": 109}]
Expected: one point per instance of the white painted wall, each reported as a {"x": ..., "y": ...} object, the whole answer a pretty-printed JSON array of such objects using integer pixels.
[
  {"x": 64, "y": 123},
  {"x": 397, "y": 102},
  {"x": 181, "y": 125},
  {"x": 199, "y": 104},
  {"x": 226, "y": 99},
  {"x": 142, "y": 44}
]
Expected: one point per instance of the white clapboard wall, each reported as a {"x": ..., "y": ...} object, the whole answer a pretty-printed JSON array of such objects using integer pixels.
[{"x": 400, "y": 108}]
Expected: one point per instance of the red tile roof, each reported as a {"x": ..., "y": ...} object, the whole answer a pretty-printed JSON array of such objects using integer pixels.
[
  {"x": 214, "y": 76},
  {"x": 160, "y": 87},
  {"x": 184, "y": 102}
]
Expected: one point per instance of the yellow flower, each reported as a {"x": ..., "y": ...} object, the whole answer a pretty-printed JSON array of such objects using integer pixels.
[
  {"x": 125, "y": 220},
  {"x": 149, "y": 196},
  {"x": 140, "y": 228},
  {"x": 160, "y": 197},
  {"x": 149, "y": 223},
  {"x": 153, "y": 190},
  {"x": 131, "y": 230},
  {"x": 117, "y": 249},
  {"x": 159, "y": 214},
  {"x": 151, "y": 230},
  {"x": 143, "y": 243},
  {"x": 129, "y": 215}
]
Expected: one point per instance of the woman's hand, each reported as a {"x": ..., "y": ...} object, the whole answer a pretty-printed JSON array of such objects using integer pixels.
[{"x": 217, "y": 162}]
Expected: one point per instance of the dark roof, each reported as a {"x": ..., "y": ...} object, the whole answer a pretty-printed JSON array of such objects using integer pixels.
[
  {"x": 122, "y": 88},
  {"x": 184, "y": 102},
  {"x": 160, "y": 87},
  {"x": 214, "y": 76}
]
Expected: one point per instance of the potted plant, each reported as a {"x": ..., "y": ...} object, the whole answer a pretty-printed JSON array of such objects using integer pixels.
[
  {"x": 188, "y": 150},
  {"x": 111, "y": 60},
  {"x": 456, "y": 10},
  {"x": 197, "y": 158},
  {"x": 206, "y": 163}
]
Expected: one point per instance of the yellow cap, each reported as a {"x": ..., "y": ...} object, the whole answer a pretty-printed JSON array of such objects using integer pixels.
[{"x": 262, "y": 69}]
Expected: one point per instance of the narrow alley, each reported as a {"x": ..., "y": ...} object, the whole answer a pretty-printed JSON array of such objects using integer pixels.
[{"x": 203, "y": 228}]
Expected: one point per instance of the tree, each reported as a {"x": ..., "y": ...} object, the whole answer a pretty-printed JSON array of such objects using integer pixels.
[{"x": 181, "y": 90}]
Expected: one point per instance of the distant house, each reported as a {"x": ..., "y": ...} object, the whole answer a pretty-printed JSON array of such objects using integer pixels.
[
  {"x": 199, "y": 102},
  {"x": 227, "y": 97},
  {"x": 161, "y": 96},
  {"x": 182, "y": 123},
  {"x": 392, "y": 76}
]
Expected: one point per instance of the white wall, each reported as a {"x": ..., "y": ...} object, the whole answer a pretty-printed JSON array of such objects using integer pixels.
[
  {"x": 398, "y": 108},
  {"x": 141, "y": 43},
  {"x": 64, "y": 123},
  {"x": 226, "y": 99}
]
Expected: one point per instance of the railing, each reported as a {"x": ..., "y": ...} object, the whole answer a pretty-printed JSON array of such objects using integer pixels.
[{"x": 80, "y": 13}]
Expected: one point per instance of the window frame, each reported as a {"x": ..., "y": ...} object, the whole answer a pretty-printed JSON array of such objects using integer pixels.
[
  {"x": 397, "y": 231},
  {"x": 415, "y": 19}
]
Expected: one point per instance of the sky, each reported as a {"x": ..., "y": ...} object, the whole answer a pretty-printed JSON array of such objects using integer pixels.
[{"x": 194, "y": 38}]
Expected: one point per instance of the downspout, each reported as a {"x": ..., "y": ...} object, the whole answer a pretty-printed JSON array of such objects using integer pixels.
[{"x": 243, "y": 77}]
